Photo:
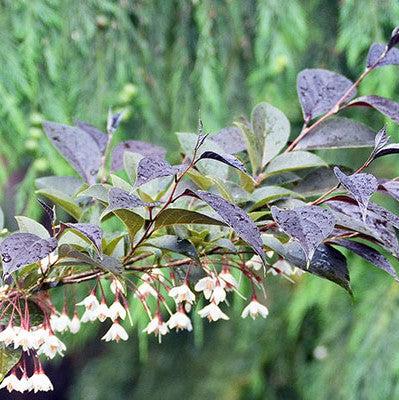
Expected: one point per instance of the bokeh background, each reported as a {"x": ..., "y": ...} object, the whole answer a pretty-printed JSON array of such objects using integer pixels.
[{"x": 161, "y": 61}]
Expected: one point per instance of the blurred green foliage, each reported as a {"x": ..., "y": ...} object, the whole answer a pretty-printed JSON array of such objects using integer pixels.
[{"x": 161, "y": 61}]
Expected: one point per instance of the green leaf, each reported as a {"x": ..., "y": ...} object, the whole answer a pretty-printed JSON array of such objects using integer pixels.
[
  {"x": 273, "y": 129},
  {"x": 62, "y": 200},
  {"x": 254, "y": 146},
  {"x": 68, "y": 185},
  {"x": 294, "y": 161},
  {"x": 177, "y": 216},
  {"x": 120, "y": 183},
  {"x": 266, "y": 194},
  {"x": 115, "y": 247},
  {"x": 130, "y": 162},
  {"x": 8, "y": 358},
  {"x": 97, "y": 191},
  {"x": 29, "y": 225},
  {"x": 202, "y": 181},
  {"x": 104, "y": 262},
  {"x": 175, "y": 244},
  {"x": 134, "y": 222}
]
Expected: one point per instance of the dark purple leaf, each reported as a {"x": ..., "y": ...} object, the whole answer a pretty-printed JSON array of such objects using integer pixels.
[
  {"x": 385, "y": 106},
  {"x": 375, "y": 228},
  {"x": 394, "y": 39},
  {"x": 387, "y": 150},
  {"x": 78, "y": 147},
  {"x": 319, "y": 90},
  {"x": 236, "y": 218},
  {"x": 21, "y": 249},
  {"x": 135, "y": 146},
  {"x": 113, "y": 121},
  {"x": 369, "y": 254},
  {"x": 391, "y": 187},
  {"x": 229, "y": 139},
  {"x": 224, "y": 158},
  {"x": 316, "y": 182},
  {"x": 360, "y": 186},
  {"x": 99, "y": 137},
  {"x": 150, "y": 168},
  {"x": 381, "y": 140},
  {"x": 49, "y": 211},
  {"x": 385, "y": 214},
  {"x": 337, "y": 133},
  {"x": 120, "y": 199},
  {"x": 309, "y": 225},
  {"x": 90, "y": 231},
  {"x": 375, "y": 52},
  {"x": 327, "y": 263}
]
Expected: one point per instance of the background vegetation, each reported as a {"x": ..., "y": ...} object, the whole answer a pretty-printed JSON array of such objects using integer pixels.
[{"x": 161, "y": 61}]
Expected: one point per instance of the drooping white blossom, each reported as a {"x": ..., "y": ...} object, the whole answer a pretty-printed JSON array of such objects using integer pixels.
[
  {"x": 254, "y": 308},
  {"x": 51, "y": 347},
  {"x": 90, "y": 302},
  {"x": 227, "y": 280},
  {"x": 212, "y": 312},
  {"x": 218, "y": 294},
  {"x": 8, "y": 335},
  {"x": 116, "y": 285},
  {"x": 24, "y": 339},
  {"x": 11, "y": 382},
  {"x": 74, "y": 324},
  {"x": 145, "y": 290},
  {"x": 116, "y": 333},
  {"x": 59, "y": 323},
  {"x": 102, "y": 311},
  {"x": 40, "y": 382},
  {"x": 116, "y": 310},
  {"x": 157, "y": 326},
  {"x": 182, "y": 294},
  {"x": 180, "y": 321},
  {"x": 206, "y": 285}
]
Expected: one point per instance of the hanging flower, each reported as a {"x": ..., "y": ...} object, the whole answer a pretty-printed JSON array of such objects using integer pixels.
[
  {"x": 8, "y": 335},
  {"x": 24, "y": 339},
  {"x": 59, "y": 323},
  {"x": 117, "y": 286},
  {"x": 40, "y": 382},
  {"x": 219, "y": 294},
  {"x": 206, "y": 285},
  {"x": 212, "y": 312},
  {"x": 11, "y": 382},
  {"x": 89, "y": 315},
  {"x": 255, "y": 263},
  {"x": 254, "y": 308},
  {"x": 90, "y": 302},
  {"x": 182, "y": 294},
  {"x": 116, "y": 311},
  {"x": 227, "y": 280},
  {"x": 115, "y": 333},
  {"x": 180, "y": 321},
  {"x": 102, "y": 311},
  {"x": 40, "y": 335},
  {"x": 24, "y": 384},
  {"x": 51, "y": 347},
  {"x": 74, "y": 324},
  {"x": 157, "y": 326},
  {"x": 145, "y": 290}
]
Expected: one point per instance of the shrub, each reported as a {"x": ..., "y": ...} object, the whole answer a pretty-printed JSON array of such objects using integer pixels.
[{"x": 243, "y": 202}]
